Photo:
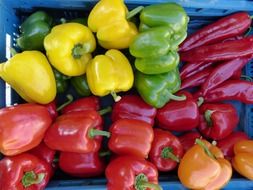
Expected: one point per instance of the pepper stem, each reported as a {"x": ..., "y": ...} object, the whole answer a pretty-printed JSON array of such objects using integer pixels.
[
  {"x": 200, "y": 101},
  {"x": 249, "y": 30},
  {"x": 63, "y": 20},
  {"x": 30, "y": 178},
  {"x": 248, "y": 78},
  {"x": 13, "y": 52},
  {"x": 70, "y": 99},
  {"x": 177, "y": 98},
  {"x": 96, "y": 132},
  {"x": 202, "y": 145},
  {"x": 141, "y": 183},
  {"x": 134, "y": 12},
  {"x": 208, "y": 119},
  {"x": 79, "y": 50},
  {"x": 167, "y": 152},
  {"x": 104, "y": 153},
  {"x": 115, "y": 96},
  {"x": 105, "y": 110}
]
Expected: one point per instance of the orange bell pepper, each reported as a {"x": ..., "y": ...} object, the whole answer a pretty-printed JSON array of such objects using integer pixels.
[
  {"x": 243, "y": 160},
  {"x": 203, "y": 167}
]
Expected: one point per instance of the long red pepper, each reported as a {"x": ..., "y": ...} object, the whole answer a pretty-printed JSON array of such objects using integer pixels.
[
  {"x": 223, "y": 72},
  {"x": 231, "y": 90},
  {"x": 225, "y": 27},
  {"x": 220, "y": 51}
]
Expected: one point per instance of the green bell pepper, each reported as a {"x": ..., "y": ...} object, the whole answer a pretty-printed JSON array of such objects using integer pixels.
[
  {"x": 157, "y": 90},
  {"x": 158, "y": 65},
  {"x": 81, "y": 86},
  {"x": 61, "y": 81},
  {"x": 33, "y": 31}
]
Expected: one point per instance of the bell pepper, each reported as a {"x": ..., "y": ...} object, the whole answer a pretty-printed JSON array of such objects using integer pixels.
[
  {"x": 24, "y": 171},
  {"x": 179, "y": 115},
  {"x": 131, "y": 137},
  {"x": 51, "y": 108},
  {"x": 166, "y": 150},
  {"x": 204, "y": 167},
  {"x": 128, "y": 172},
  {"x": 82, "y": 165},
  {"x": 22, "y": 127},
  {"x": 227, "y": 144},
  {"x": 110, "y": 73},
  {"x": 188, "y": 139},
  {"x": 157, "y": 90},
  {"x": 80, "y": 85},
  {"x": 77, "y": 131},
  {"x": 217, "y": 121},
  {"x": 31, "y": 76},
  {"x": 78, "y": 42},
  {"x": 108, "y": 19},
  {"x": 243, "y": 160},
  {"x": 133, "y": 107},
  {"x": 61, "y": 81},
  {"x": 33, "y": 31}
]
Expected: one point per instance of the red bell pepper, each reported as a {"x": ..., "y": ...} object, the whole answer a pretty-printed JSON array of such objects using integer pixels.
[
  {"x": 217, "y": 121},
  {"x": 227, "y": 144},
  {"x": 179, "y": 115},
  {"x": 22, "y": 127},
  {"x": 231, "y": 90},
  {"x": 24, "y": 171},
  {"x": 133, "y": 107},
  {"x": 196, "y": 79},
  {"x": 131, "y": 173},
  {"x": 51, "y": 107},
  {"x": 78, "y": 131},
  {"x": 226, "y": 27},
  {"x": 82, "y": 165},
  {"x": 220, "y": 51},
  {"x": 188, "y": 140},
  {"x": 223, "y": 72},
  {"x": 131, "y": 137},
  {"x": 166, "y": 150}
]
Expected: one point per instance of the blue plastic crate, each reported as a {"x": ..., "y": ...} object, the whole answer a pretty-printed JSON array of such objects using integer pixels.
[{"x": 201, "y": 12}]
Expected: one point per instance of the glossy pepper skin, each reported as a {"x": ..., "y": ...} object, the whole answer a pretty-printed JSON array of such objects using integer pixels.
[
  {"x": 78, "y": 42},
  {"x": 226, "y": 27},
  {"x": 133, "y": 107},
  {"x": 188, "y": 139},
  {"x": 157, "y": 90},
  {"x": 108, "y": 19},
  {"x": 128, "y": 172},
  {"x": 80, "y": 85},
  {"x": 217, "y": 121},
  {"x": 227, "y": 144},
  {"x": 109, "y": 73},
  {"x": 179, "y": 115},
  {"x": 33, "y": 31},
  {"x": 30, "y": 66},
  {"x": 203, "y": 167},
  {"x": 243, "y": 160},
  {"x": 131, "y": 137},
  {"x": 75, "y": 132},
  {"x": 166, "y": 150},
  {"x": 22, "y": 127},
  {"x": 24, "y": 171},
  {"x": 51, "y": 108},
  {"x": 82, "y": 165}
]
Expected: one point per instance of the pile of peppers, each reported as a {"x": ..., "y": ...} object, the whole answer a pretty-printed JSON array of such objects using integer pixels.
[{"x": 105, "y": 96}]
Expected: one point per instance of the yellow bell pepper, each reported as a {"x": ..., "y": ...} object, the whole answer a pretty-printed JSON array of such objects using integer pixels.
[
  {"x": 109, "y": 73},
  {"x": 31, "y": 76},
  {"x": 109, "y": 20},
  {"x": 69, "y": 47}
]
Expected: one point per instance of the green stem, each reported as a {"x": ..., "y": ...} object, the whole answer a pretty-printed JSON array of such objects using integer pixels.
[
  {"x": 202, "y": 145},
  {"x": 167, "y": 152},
  {"x": 13, "y": 52},
  {"x": 105, "y": 153},
  {"x": 70, "y": 99},
  {"x": 134, "y": 12},
  {"x": 208, "y": 119},
  {"x": 248, "y": 32},
  {"x": 177, "y": 98},
  {"x": 30, "y": 178},
  {"x": 96, "y": 132},
  {"x": 248, "y": 78},
  {"x": 251, "y": 17},
  {"x": 79, "y": 50},
  {"x": 200, "y": 101},
  {"x": 105, "y": 110},
  {"x": 141, "y": 183},
  {"x": 115, "y": 96},
  {"x": 63, "y": 20}
]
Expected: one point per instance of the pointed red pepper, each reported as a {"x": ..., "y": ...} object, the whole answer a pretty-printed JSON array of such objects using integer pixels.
[
  {"x": 179, "y": 115},
  {"x": 131, "y": 137},
  {"x": 166, "y": 150},
  {"x": 22, "y": 127},
  {"x": 131, "y": 173},
  {"x": 133, "y": 107},
  {"x": 217, "y": 121},
  {"x": 24, "y": 171},
  {"x": 188, "y": 139}
]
